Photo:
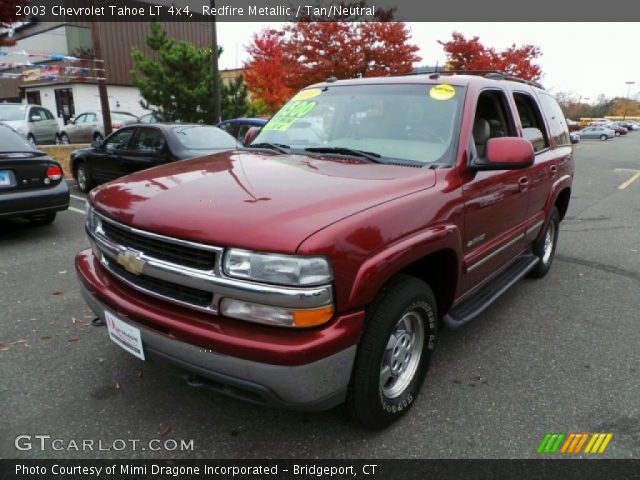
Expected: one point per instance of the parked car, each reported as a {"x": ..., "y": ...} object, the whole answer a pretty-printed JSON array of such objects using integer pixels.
[
  {"x": 89, "y": 126},
  {"x": 575, "y": 137},
  {"x": 32, "y": 185},
  {"x": 602, "y": 133},
  {"x": 305, "y": 273},
  {"x": 138, "y": 147},
  {"x": 35, "y": 123},
  {"x": 618, "y": 129},
  {"x": 238, "y": 127},
  {"x": 573, "y": 125},
  {"x": 149, "y": 118}
]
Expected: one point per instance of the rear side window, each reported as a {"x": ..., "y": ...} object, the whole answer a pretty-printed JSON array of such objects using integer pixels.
[
  {"x": 557, "y": 123},
  {"x": 531, "y": 121},
  {"x": 149, "y": 140}
]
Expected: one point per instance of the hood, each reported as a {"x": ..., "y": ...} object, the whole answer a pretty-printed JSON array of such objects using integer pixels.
[
  {"x": 252, "y": 200},
  {"x": 16, "y": 124}
]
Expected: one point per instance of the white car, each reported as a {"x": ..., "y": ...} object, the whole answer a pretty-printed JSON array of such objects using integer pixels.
[{"x": 35, "y": 123}]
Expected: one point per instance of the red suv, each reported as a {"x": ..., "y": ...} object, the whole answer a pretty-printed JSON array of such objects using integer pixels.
[{"x": 316, "y": 265}]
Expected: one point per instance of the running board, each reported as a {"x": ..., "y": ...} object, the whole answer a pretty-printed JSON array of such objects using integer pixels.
[{"x": 472, "y": 306}]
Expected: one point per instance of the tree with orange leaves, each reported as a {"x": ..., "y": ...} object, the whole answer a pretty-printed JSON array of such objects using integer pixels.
[
  {"x": 471, "y": 54},
  {"x": 309, "y": 51},
  {"x": 264, "y": 73}
]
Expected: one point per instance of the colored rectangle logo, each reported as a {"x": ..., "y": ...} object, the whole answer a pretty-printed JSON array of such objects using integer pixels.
[{"x": 574, "y": 443}]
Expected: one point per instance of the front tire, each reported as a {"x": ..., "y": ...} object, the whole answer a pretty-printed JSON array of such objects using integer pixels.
[
  {"x": 64, "y": 139},
  {"x": 545, "y": 247},
  {"x": 85, "y": 182},
  {"x": 32, "y": 139},
  {"x": 394, "y": 353}
]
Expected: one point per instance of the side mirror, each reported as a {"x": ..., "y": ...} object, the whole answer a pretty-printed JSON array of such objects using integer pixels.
[
  {"x": 505, "y": 153},
  {"x": 97, "y": 143},
  {"x": 251, "y": 134}
]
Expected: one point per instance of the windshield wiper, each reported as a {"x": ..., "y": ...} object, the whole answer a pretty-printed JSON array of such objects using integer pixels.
[
  {"x": 278, "y": 147},
  {"x": 371, "y": 156}
]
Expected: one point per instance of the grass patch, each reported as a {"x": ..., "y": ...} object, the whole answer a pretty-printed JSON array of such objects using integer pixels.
[{"x": 61, "y": 154}]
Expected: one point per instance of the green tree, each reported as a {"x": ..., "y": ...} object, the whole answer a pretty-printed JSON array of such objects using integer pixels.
[{"x": 176, "y": 82}]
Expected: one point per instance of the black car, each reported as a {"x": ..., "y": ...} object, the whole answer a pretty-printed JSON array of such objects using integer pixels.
[
  {"x": 32, "y": 185},
  {"x": 139, "y": 147}
]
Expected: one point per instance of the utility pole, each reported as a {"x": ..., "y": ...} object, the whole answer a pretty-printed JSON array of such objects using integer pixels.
[
  {"x": 214, "y": 70},
  {"x": 626, "y": 103},
  {"x": 102, "y": 85}
]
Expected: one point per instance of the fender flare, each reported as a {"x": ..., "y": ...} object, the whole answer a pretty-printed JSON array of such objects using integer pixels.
[{"x": 376, "y": 270}]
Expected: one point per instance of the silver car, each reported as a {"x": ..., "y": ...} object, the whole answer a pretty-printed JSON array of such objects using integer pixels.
[
  {"x": 35, "y": 123},
  {"x": 89, "y": 126},
  {"x": 602, "y": 133}
]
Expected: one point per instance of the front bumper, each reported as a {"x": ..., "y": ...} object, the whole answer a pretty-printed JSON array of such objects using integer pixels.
[
  {"x": 308, "y": 370},
  {"x": 34, "y": 202}
]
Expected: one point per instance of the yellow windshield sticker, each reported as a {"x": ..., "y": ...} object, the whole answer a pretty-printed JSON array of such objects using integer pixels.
[
  {"x": 289, "y": 114},
  {"x": 444, "y": 91},
  {"x": 307, "y": 94}
]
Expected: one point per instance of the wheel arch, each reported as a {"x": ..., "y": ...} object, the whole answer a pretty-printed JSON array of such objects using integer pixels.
[{"x": 430, "y": 256}]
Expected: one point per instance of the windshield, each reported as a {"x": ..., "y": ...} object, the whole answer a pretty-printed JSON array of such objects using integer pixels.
[
  {"x": 402, "y": 121},
  {"x": 123, "y": 117},
  {"x": 10, "y": 113},
  {"x": 203, "y": 137}
]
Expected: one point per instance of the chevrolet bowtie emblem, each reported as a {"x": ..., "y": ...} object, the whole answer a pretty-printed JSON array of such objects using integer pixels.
[{"x": 131, "y": 262}]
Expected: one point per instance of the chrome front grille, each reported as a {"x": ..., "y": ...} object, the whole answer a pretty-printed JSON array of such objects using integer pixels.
[
  {"x": 184, "y": 272},
  {"x": 159, "y": 248},
  {"x": 179, "y": 293}
]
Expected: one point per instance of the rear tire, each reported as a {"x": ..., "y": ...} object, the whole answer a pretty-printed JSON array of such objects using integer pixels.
[
  {"x": 545, "y": 247},
  {"x": 617, "y": 134},
  {"x": 394, "y": 353},
  {"x": 44, "y": 219},
  {"x": 97, "y": 136},
  {"x": 85, "y": 182},
  {"x": 604, "y": 138},
  {"x": 64, "y": 139}
]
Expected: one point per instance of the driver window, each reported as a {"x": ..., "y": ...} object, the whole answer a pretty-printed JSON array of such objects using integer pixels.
[
  {"x": 492, "y": 119},
  {"x": 119, "y": 140}
]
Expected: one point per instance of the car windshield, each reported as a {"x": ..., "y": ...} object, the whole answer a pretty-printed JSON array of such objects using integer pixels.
[
  {"x": 10, "y": 141},
  {"x": 414, "y": 122},
  {"x": 9, "y": 113},
  {"x": 123, "y": 117},
  {"x": 203, "y": 137}
]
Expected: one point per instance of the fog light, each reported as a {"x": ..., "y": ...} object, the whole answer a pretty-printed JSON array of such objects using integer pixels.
[{"x": 278, "y": 316}]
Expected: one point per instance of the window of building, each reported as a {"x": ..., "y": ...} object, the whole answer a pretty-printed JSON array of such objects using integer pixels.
[{"x": 65, "y": 108}]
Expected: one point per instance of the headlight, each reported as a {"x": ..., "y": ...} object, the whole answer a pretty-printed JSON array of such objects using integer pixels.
[
  {"x": 94, "y": 222},
  {"x": 279, "y": 269}
]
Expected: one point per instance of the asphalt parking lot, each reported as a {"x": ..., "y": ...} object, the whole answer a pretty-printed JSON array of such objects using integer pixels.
[{"x": 559, "y": 354}]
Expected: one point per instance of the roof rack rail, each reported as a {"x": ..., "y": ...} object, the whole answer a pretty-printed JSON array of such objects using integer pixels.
[{"x": 490, "y": 74}]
